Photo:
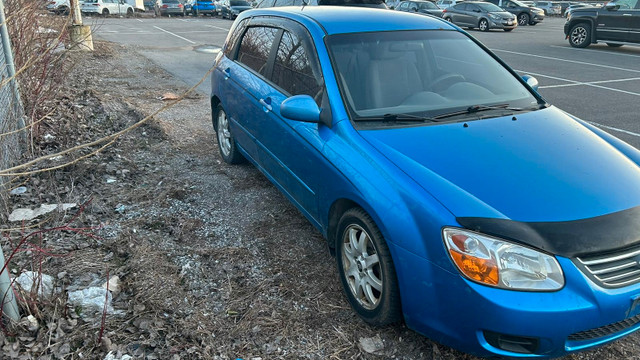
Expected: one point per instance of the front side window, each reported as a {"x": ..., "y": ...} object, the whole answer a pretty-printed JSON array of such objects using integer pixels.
[
  {"x": 255, "y": 47},
  {"x": 292, "y": 70},
  {"x": 626, "y": 4},
  {"x": 426, "y": 73}
]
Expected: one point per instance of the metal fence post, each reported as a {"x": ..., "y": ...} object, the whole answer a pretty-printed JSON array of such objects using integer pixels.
[{"x": 9, "y": 117}]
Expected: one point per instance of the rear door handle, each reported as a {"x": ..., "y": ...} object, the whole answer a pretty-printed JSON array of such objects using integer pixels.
[{"x": 266, "y": 104}]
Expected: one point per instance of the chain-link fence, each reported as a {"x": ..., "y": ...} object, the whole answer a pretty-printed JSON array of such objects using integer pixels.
[{"x": 10, "y": 106}]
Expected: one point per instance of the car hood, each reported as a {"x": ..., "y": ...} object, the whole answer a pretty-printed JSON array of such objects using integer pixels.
[
  {"x": 538, "y": 166},
  {"x": 504, "y": 14}
]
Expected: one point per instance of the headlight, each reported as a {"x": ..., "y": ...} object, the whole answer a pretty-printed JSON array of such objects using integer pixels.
[
  {"x": 495, "y": 17},
  {"x": 503, "y": 264}
]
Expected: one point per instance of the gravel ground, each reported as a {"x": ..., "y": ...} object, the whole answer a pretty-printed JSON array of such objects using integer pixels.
[{"x": 213, "y": 262}]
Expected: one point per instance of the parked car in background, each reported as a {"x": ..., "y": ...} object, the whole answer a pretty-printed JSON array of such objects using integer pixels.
[
  {"x": 197, "y": 7},
  {"x": 149, "y": 5},
  {"x": 169, "y": 7},
  {"x": 420, "y": 7},
  {"x": 550, "y": 8},
  {"x": 479, "y": 14},
  {"x": 528, "y": 3},
  {"x": 107, "y": 7},
  {"x": 363, "y": 3},
  {"x": 526, "y": 15},
  {"x": 230, "y": 9},
  {"x": 443, "y": 4},
  {"x": 575, "y": 6},
  {"x": 616, "y": 24},
  {"x": 451, "y": 193},
  {"x": 58, "y": 6}
]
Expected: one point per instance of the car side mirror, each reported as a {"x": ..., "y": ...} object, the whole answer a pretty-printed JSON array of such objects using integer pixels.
[
  {"x": 300, "y": 108},
  {"x": 531, "y": 81}
]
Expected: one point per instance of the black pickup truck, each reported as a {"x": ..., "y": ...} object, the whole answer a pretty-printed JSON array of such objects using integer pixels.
[{"x": 617, "y": 23}]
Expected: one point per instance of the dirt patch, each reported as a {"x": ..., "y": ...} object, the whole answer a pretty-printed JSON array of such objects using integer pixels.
[{"x": 214, "y": 262}]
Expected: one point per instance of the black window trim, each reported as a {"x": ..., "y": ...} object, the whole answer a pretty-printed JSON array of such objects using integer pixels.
[{"x": 283, "y": 25}]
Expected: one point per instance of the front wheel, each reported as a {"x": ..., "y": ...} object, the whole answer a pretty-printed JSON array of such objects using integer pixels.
[
  {"x": 580, "y": 35},
  {"x": 226, "y": 142},
  {"x": 483, "y": 25},
  {"x": 523, "y": 19},
  {"x": 366, "y": 269}
]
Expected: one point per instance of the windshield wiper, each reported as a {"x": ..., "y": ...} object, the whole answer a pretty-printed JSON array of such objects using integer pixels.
[
  {"x": 398, "y": 118},
  {"x": 477, "y": 108}
]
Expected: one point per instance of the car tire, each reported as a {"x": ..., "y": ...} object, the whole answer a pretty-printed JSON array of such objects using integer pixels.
[
  {"x": 483, "y": 25},
  {"x": 129, "y": 13},
  {"x": 523, "y": 19},
  {"x": 366, "y": 269},
  {"x": 226, "y": 141},
  {"x": 449, "y": 19},
  {"x": 196, "y": 13},
  {"x": 614, "y": 45},
  {"x": 105, "y": 12},
  {"x": 580, "y": 35}
]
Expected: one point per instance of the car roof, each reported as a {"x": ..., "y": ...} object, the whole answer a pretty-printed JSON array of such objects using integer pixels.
[{"x": 346, "y": 19}]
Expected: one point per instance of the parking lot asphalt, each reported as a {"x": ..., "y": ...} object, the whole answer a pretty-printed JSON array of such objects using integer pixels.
[{"x": 598, "y": 84}]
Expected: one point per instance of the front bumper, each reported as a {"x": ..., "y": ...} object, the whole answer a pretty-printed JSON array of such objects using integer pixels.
[
  {"x": 502, "y": 24},
  {"x": 470, "y": 317}
]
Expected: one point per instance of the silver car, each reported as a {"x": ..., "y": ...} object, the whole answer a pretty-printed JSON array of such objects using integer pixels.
[{"x": 479, "y": 14}]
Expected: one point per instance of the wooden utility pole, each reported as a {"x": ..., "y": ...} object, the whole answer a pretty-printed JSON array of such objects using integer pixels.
[{"x": 80, "y": 34}]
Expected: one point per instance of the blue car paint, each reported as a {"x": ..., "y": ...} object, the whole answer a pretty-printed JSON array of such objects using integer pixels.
[{"x": 412, "y": 196}]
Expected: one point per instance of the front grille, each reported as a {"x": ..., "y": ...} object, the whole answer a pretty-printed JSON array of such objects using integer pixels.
[
  {"x": 613, "y": 269},
  {"x": 605, "y": 330}
]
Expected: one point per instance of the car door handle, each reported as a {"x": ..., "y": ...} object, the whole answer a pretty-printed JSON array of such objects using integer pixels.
[
  {"x": 227, "y": 73},
  {"x": 266, "y": 104}
]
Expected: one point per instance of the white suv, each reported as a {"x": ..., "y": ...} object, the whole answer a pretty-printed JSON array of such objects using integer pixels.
[
  {"x": 443, "y": 4},
  {"x": 107, "y": 7}
]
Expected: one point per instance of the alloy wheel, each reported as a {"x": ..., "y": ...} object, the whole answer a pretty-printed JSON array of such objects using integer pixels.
[
  {"x": 362, "y": 267},
  {"x": 224, "y": 134},
  {"x": 578, "y": 35}
]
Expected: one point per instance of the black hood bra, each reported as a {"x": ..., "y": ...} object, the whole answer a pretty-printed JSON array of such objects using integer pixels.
[{"x": 565, "y": 238}]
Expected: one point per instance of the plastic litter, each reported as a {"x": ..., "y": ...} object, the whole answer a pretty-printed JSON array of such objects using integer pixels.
[
  {"x": 28, "y": 279},
  {"x": 92, "y": 299}
]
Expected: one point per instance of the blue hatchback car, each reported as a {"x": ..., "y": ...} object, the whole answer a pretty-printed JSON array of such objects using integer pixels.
[{"x": 454, "y": 197}]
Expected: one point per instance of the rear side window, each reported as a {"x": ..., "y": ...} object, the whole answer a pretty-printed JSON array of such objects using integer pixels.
[
  {"x": 292, "y": 69},
  {"x": 255, "y": 47}
]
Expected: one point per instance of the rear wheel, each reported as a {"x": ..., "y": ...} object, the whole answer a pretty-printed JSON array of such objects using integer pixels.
[
  {"x": 226, "y": 141},
  {"x": 523, "y": 19},
  {"x": 129, "y": 12},
  {"x": 580, "y": 35},
  {"x": 614, "y": 45},
  {"x": 366, "y": 269},
  {"x": 105, "y": 12},
  {"x": 483, "y": 25}
]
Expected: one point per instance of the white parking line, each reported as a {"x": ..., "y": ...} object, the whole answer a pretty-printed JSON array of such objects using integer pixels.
[
  {"x": 579, "y": 83},
  {"x": 589, "y": 82},
  {"x": 595, "y": 51},
  {"x": 566, "y": 60},
  {"x": 217, "y": 27},
  {"x": 613, "y": 128},
  {"x": 139, "y": 20},
  {"x": 176, "y": 35}
]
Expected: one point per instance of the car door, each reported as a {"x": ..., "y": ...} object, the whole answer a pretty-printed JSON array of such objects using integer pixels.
[
  {"x": 468, "y": 15},
  {"x": 458, "y": 15},
  {"x": 634, "y": 28},
  {"x": 292, "y": 154},
  {"x": 614, "y": 20},
  {"x": 244, "y": 85}
]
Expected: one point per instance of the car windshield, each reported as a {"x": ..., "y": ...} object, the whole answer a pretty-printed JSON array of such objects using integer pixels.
[
  {"x": 426, "y": 73},
  {"x": 428, "y": 5},
  {"x": 239, "y": 3},
  {"x": 489, "y": 7}
]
